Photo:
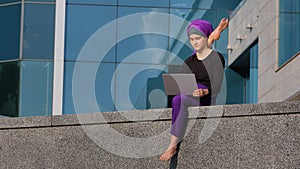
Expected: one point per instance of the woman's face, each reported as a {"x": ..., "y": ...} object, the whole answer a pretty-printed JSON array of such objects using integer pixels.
[{"x": 198, "y": 42}]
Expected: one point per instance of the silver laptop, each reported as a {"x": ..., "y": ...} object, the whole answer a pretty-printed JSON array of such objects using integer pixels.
[{"x": 179, "y": 84}]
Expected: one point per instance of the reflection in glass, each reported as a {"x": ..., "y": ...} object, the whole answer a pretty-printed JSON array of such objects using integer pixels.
[
  {"x": 79, "y": 29},
  {"x": 139, "y": 86},
  {"x": 101, "y": 2},
  {"x": 139, "y": 31},
  {"x": 156, "y": 3},
  {"x": 191, "y": 14},
  {"x": 39, "y": 31},
  {"x": 8, "y": 1},
  {"x": 104, "y": 87},
  {"x": 228, "y": 5},
  {"x": 10, "y": 31},
  {"x": 123, "y": 11},
  {"x": 181, "y": 50},
  {"x": 9, "y": 89},
  {"x": 36, "y": 88},
  {"x": 199, "y": 4},
  {"x": 205, "y": 4},
  {"x": 146, "y": 48}
]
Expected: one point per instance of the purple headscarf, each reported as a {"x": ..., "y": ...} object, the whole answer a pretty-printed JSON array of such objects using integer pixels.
[{"x": 204, "y": 27}]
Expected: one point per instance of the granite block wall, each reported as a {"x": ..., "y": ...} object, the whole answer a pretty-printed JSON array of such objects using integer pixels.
[{"x": 265, "y": 135}]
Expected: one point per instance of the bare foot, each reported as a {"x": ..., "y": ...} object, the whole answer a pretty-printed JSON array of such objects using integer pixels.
[
  {"x": 166, "y": 156},
  {"x": 215, "y": 35}
]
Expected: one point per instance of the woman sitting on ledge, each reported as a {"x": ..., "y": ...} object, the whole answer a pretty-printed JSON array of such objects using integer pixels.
[{"x": 207, "y": 65}]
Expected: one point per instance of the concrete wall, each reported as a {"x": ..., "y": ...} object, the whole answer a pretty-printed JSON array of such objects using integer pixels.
[
  {"x": 274, "y": 84},
  {"x": 265, "y": 135}
]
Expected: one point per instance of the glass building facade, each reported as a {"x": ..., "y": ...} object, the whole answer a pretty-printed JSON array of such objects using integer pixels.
[
  {"x": 26, "y": 57},
  {"x": 114, "y": 52}
]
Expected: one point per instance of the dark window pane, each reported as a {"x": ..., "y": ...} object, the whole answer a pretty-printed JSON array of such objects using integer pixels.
[
  {"x": 9, "y": 88},
  {"x": 9, "y": 1},
  {"x": 39, "y": 31},
  {"x": 36, "y": 88},
  {"x": 236, "y": 89},
  {"x": 229, "y": 5},
  {"x": 10, "y": 31},
  {"x": 243, "y": 75}
]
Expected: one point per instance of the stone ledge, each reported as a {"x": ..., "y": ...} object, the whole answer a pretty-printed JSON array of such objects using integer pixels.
[
  {"x": 112, "y": 117},
  {"x": 255, "y": 136},
  {"x": 271, "y": 108},
  {"x": 217, "y": 111},
  {"x": 165, "y": 114},
  {"x": 24, "y": 122}
]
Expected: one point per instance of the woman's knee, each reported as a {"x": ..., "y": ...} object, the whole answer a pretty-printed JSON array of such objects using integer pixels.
[{"x": 179, "y": 99}]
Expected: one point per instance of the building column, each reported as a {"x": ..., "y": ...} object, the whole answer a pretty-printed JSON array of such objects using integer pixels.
[{"x": 58, "y": 79}]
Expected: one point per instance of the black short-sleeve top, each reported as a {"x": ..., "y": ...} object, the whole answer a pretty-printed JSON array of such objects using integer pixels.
[{"x": 208, "y": 72}]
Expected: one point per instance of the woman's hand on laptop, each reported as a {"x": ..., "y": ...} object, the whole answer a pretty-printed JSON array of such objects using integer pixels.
[{"x": 200, "y": 92}]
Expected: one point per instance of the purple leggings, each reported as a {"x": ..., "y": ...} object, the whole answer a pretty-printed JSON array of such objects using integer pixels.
[{"x": 180, "y": 104}]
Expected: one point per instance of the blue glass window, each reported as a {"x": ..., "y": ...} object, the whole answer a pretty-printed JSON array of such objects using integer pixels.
[
  {"x": 83, "y": 22},
  {"x": 9, "y": 1},
  {"x": 101, "y": 2},
  {"x": 9, "y": 89},
  {"x": 144, "y": 33},
  {"x": 41, "y": 0},
  {"x": 39, "y": 27},
  {"x": 180, "y": 50},
  {"x": 229, "y": 5},
  {"x": 146, "y": 48},
  {"x": 205, "y": 4},
  {"x": 289, "y": 5},
  {"x": 153, "y": 3},
  {"x": 289, "y": 30},
  {"x": 199, "y": 4},
  {"x": 10, "y": 31},
  {"x": 139, "y": 86},
  {"x": 103, "y": 91},
  {"x": 36, "y": 88}
]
